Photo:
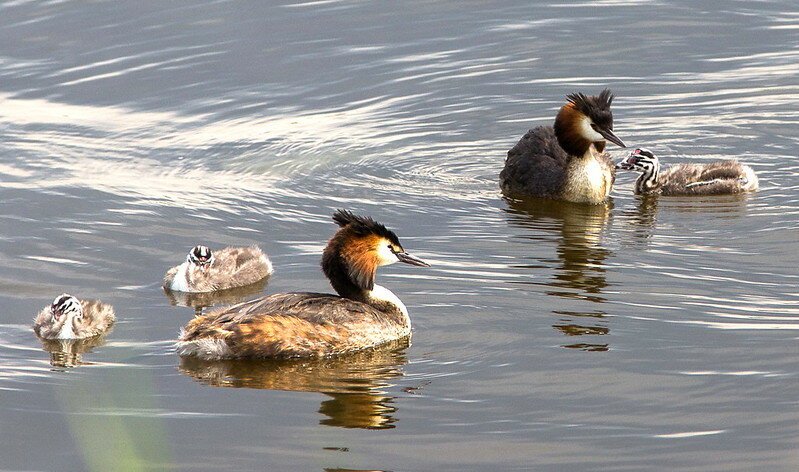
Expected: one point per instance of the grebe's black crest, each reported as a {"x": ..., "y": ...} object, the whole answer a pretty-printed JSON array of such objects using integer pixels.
[
  {"x": 363, "y": 225},
  {"x": 354, "y": 253},
  {"x": 596, "y": 107}
]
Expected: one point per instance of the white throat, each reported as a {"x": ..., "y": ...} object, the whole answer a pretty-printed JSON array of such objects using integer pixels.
[
  {"x": 385, "y": 256},
  {"x": 588, "y": 132}
]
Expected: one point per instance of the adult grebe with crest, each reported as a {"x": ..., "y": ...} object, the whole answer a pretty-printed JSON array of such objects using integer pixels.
[{"x": 303, "y": 324}]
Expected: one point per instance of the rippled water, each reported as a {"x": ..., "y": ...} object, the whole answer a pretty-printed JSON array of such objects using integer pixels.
[{"x": 648, "y": 335}]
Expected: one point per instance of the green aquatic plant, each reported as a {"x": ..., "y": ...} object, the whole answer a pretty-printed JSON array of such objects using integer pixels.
[{"x": 114, "y": 422}]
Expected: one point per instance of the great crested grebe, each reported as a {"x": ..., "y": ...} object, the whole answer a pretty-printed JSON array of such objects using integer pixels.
[
  {"x": 567, "y": 161},
  {"x": 206, "y": 271},
  {"x": 70, "y": 318},
  {"x": 716, "y": 178},
  {"x": 302, "y": 324}
]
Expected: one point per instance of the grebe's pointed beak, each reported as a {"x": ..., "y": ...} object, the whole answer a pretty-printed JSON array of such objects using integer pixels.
[
  {"x": 627, "y": 164},
  {"x": 412, "y": 260},
  {"x": 608, "y": 134}
]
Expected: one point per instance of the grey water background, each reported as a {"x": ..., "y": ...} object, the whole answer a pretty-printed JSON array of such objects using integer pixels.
[{"x": 646, "y": 335}]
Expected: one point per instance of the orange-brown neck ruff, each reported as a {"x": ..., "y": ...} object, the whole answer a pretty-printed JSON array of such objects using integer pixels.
[
  {"x": 350, "y": 263},
  {"x": 567, "y": 130},
  {"x": 361, "y": 255}
]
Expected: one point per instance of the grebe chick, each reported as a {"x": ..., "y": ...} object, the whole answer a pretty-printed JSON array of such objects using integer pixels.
[
  {"x": 70, "y": 318},
  {"x": 302, "y": 324},
  {"x": 567, "y": 161},
  {"x": 717, "y": 178},
  {"x": 206, "y": 271}
]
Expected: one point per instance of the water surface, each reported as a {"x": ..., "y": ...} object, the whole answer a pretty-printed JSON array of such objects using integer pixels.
[{"x": 651, "y": 334}]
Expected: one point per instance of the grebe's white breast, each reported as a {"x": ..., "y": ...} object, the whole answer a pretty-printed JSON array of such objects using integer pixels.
[
  {"x": 383, "y": 294},
  {"x": 66, "y": 331},
  {"x": 587, "y": 179},
  {"x": 180, "y": 282}
]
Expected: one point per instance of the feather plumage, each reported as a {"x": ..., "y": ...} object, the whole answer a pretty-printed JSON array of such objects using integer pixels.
[
  {"x": 565, "y": 161},
  {"x": 91, "y": 319},
  {"x": 726, "y": 177},
  {"x": 231, "y": 267},
  {"x": 361, "y": 316}
]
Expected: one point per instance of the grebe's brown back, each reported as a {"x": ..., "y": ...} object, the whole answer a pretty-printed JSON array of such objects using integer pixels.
[{"x": 363, "y": 315}]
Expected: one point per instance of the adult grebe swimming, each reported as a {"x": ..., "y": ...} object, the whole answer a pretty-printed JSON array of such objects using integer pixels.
[
  {"x": 302, "y": 324},
  {"x": 716, "y": 178},
  {"x": 70, "y": 318},
  {"x": 567, "y": 161},
  {"x": 206, "y": 271}
]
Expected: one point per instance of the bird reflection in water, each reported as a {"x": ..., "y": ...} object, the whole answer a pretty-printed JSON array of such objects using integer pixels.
[
  {"x": 643, "y": 218},
  {"x": 639, "y": 221},
  {"x": 69, "y": 352},
  {"x": 580, "y": 271},
  {"x": 201, "y": 300},
  {"x": 572, "y": 329},
  {"x": 355, "y": 383}
]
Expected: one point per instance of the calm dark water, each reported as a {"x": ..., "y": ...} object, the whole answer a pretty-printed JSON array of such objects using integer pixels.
[{"x": 648, "y": 335}]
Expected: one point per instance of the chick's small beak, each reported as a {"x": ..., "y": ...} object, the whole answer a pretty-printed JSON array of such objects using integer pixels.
[
  {"x": 412, "y": 260},
  {"x": 608, "y": 134},
  {"x": 626, "y": 164}
]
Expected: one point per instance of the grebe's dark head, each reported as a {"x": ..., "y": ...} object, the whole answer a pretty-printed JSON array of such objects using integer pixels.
[
  {"x": 640, "y": 160},
  {"x": 200, "y": 256},
  {"x": 586, "y": 120},
  {"x": 360, "y": 246},
  {"x": 66, "y": 306}
]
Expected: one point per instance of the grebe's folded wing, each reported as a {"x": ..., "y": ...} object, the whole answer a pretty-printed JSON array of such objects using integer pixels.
[
  {"x": 540, "y": 143},
  {"x": 315, "y": 308},
  {"x": 288, "y": 325},
  {"x": 536, "y": 165},
  {"x": 730, "y": 169}
]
